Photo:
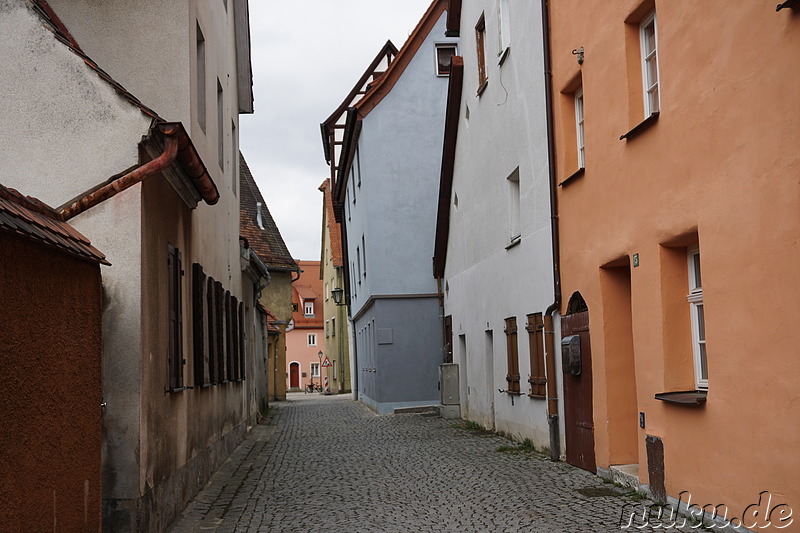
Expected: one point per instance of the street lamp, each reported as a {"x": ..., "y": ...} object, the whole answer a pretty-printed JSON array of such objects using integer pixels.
[
  {"x": 337, "y": 295},
  {"x": 319, "y": 368}
]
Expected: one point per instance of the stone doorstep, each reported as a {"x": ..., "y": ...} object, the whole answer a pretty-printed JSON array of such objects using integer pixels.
[{"x": 417, "y": 410}]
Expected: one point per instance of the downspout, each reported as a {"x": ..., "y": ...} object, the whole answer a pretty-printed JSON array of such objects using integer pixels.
[
  {"x": 130, "y": 179},
  {"x": 549, "y": 330}
]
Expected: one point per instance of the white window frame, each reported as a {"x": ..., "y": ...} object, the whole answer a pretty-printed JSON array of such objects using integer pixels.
[
  {"x": 649, "y": 85},
  {"x": 314, "y": 370},
  {"x": 579, "y": 133},
  {"x": 695, "y": 299},
  {"x": 333, "y": 326},
  {"x": 308, "y": 308},
  {"x": 514, "y": 208},
  {"x": 504, "y": 29},
  {"x": 312, "y": 339},
  {"x": 436, "y": 48}
]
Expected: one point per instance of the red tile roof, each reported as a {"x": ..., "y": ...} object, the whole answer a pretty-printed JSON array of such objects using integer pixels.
[
  {"x": 267, "y": 241},
  {"x": 32, "y": 219},
  {"x": 334, "y": 229}
]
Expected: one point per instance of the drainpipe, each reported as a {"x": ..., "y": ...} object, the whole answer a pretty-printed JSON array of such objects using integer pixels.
[
  {"x": 549, "y": 330},
  {"x": 130, "y": 179}
]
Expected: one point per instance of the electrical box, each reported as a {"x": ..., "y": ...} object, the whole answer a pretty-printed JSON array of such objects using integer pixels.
[
  {"x": 448, "y": 384},
  {"x": 571, "y": 355}
]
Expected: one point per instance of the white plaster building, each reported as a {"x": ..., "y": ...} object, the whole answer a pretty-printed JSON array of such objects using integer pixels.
[
  {"x": 494, "y": 247},
  {"x": 180, "y": 386}
]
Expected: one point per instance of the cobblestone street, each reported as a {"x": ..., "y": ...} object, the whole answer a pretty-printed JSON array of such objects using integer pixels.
[{"x": 329, "y": 464}]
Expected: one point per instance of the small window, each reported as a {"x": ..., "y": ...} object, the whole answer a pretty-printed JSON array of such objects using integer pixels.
[
  {"x": 358, "y": 166},
  {"x": 695, "y": 299},
  {"x": 579, "y": 127},
  {"x": 504, "y": 32},
  {"x": 358, "y": 258},
  {"x": 480, "y": 44},
  {"x": 312, "y": 339},
  {"x": 512, "y": 356},
  {"x": 200, "y": 50},
  {"x": 648, "y": 37},
  {"x": 326, "y": 291},
  {"x": 444, "y": 58},
  {"x": 314, "y": 370},
  {"x": 327, "y": 329},
  {"x": 364, "y": 251},
  {"x": 333, "y": 327},
  {"x": 308, "y": 308},
  {"x": 514, "y": 233},
  {"x": 220, "y": 126}
]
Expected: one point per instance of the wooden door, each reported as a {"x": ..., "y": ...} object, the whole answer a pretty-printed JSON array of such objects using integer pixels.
[
  {"x": 294, "y": 376},
  {"x": 578, "y": 421},
  {"x": 448, "y": 339}
]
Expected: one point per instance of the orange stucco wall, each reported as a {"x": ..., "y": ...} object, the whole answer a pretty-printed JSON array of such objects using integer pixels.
[
  {"x": 50, "y": 391},
  {"x": 720, "y": 168}
]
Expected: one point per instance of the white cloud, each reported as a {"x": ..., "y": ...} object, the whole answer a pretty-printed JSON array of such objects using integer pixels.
[{"x": 306, "y": 58}]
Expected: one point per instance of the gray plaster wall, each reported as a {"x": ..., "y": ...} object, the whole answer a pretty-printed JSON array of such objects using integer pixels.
[
  {"x": 399, "y": 160},
  {"x": 399, "y": 353}
]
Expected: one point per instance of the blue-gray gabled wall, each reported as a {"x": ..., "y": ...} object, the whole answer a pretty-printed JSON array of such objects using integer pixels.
[{"x": 392, "y": 213}]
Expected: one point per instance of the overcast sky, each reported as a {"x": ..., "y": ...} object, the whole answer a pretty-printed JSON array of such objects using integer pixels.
[{"x": 307, "y": 56}]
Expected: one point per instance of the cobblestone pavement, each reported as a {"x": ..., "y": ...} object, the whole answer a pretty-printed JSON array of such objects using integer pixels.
[{"x": 329, "y": 464}]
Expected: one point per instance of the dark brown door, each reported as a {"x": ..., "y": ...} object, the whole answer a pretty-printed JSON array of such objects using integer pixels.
[
  {"x": 578, "y": 422},
  {"x": 448, "y": 339},
  {"x": 294, "y": 376}
]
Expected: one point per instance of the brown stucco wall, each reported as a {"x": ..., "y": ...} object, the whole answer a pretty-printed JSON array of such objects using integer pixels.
[{"x": 50, "y": 389}]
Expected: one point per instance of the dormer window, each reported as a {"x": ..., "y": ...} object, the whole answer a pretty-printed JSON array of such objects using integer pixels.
[{"x": 308, "y": 309}]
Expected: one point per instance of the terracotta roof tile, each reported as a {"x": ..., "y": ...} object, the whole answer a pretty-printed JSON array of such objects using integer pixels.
[
  {"x": 334, "y": 229},
  {"x": 32, "y": 219},
  {"x": 267, "y": 241}
]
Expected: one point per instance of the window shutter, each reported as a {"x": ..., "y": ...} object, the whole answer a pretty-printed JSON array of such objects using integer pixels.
[
  {"x": 242, "y": 342},
  {"x": 228, "y": 344},
  {"x": 537, "y": 380},
  {"x": 175, "y": 298},
  {"x": 235, "y": 338},
  {"x": 512, "y": 354},
  {"x": 219, "y": 322},
  {"x": 211, "y": 307},
  {"x": 198, "y": 323}
]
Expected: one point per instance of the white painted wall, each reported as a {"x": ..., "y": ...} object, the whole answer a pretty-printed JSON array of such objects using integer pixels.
[{"x": 485, "y": 282}]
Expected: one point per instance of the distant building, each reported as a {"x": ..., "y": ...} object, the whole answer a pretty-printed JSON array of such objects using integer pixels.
[
  {"x": 305, "y": 336},
  {"x": 385, "y": 182},
  {"x": 337, "y": 344},
  {"x": 263, "y": 235}
]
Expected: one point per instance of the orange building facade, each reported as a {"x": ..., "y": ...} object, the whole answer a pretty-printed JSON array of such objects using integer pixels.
[
  {"x": 305, "y": 336},
  {"x": 679, "y": 209}
]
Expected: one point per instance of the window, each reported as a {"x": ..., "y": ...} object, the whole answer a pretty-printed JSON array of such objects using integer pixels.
[
  {"x": 513, "y": 207},
  {"x": 358, "y": 166},
  {"x": 480, "y": 44},
  {"x": 695, "y": 299},
  {"x": 220, "y": 127},
  {"x": 312, "y": 339},
  {"x": 201, "y": 78},
  {"x": 512, "y": 356},
  {"x": 504, "y": 32},
  {"x": 234, "y": 157},
  {"x": 326, "y": 291},
  {"x": 364, "y": 250},
  {"x": 579, "y": 127},
  {"x": 537, "y": 380},
  {"x": 327, "y": 329},
  {"x": 648, "y": 37},
  {"x": 333, "y": 327},
  {"x": 175, "y": 359},
  {"x": 444, "y": 57},
  {"x": 308, "y": 308},
  {"x": 358, "y": 258},
  {"x": 314, "y": 370}
]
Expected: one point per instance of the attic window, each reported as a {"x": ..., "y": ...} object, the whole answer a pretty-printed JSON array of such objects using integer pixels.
[{"x": 444, "y": 58}]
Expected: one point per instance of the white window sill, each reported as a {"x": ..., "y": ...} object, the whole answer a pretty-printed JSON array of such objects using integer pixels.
[{"x": 514, "y": 241}]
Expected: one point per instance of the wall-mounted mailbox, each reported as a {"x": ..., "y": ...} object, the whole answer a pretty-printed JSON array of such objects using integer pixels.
[{"x": 571, "y": 355}]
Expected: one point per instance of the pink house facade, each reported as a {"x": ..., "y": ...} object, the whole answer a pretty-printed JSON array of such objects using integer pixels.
[{"x": 305, "y": 337}]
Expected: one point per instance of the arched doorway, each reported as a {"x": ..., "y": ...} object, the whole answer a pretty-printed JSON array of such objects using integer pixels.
[
  {"x": 577, "y": 375},
  {"x": 294, "y": 376}
]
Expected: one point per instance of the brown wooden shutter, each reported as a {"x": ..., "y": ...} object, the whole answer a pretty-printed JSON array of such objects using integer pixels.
[
  {"x": 235, "y": 337},
  {"x": 198, "y": 323},
  {"x": 242, "y": 343},
  {"x": 228, "y": 339},
  {"x": 512, "y": 354},
  {"x": 175, "y": 298},
  {"x": 537, "y": 380},
  {"x": 219, "y": 322},
  {"x": 211, "y": 307}
]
